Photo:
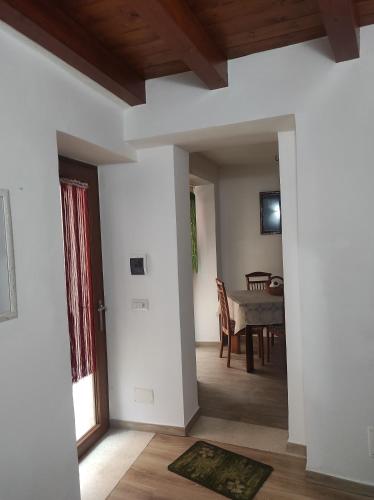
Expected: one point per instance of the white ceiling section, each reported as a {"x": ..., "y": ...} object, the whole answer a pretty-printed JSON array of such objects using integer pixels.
[
  {"x": 81, "y": 150},
  {"x": 234, "y": 134},
  {"x": 195, "y": 180},
  {"x": 246, "y": 154}
]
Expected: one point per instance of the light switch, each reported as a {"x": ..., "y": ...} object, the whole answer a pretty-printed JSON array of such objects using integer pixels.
[{"x": 140, "y": 304}]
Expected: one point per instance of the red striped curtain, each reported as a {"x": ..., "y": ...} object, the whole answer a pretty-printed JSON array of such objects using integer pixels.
[{"x": 78, "y": 278}]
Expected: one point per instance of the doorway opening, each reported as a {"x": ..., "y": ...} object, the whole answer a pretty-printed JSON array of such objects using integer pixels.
[
  {"x": 227, "y": 183},
  {"x": 85, "y": 300}
]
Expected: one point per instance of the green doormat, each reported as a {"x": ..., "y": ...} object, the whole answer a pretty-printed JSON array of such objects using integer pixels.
[{"x": 227, "y": 473}]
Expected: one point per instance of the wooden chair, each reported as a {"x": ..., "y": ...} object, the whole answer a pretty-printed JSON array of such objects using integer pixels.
[
  {"x": 258, "y": 280},
  {"x": 227, "y": 325},
  {"x": 276, "y": 330}
]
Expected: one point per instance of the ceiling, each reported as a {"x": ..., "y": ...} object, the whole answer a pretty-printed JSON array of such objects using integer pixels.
[
  {"x": 237, "y": 27},
  {"x": 195, "y": 180},
  {"x": 121, "y": 43},
  {"x": 244, "y": 155},
  {"x": 211, "y": 138}
]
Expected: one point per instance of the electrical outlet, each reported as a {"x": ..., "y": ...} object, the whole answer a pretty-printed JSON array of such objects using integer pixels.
[
  {"x": 371, "y": 440},
  {"x": 140, "y": 304},
  {"x": 143, "y": 395}
]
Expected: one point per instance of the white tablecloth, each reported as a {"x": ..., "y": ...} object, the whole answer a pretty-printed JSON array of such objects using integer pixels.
[{"x": 254, "y": 308}]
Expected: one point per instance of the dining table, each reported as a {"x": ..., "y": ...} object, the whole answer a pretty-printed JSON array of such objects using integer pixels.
[{"x": 253, "y": 309}]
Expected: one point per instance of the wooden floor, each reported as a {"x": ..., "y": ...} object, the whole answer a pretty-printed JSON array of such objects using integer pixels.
[
  {"x": 233, "y": 394},
  {"x": 148, "y": 478}
]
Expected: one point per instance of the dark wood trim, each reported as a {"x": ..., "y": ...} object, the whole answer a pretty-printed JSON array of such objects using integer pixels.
[
  {"x": 297, "y": 449},
  {"x": 337, "y": 483},
  {"x": 177, "y": 25},
  {"x": 235, "y": 345},
  {"x": 145, "y": 427},
  {"x": 341, "y": 25},
  {"x": 54, "y": 30},
  {"x": 156, "y": 428},
  {"x": 86, "y": 442},
  {"x": 213, "y": 343},
  {"x": 249, "y": 348},
  {"x": 83, "y": 172}
]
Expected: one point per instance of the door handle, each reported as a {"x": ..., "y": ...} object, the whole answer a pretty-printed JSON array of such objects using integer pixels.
[{"x": 101, "y": 310}]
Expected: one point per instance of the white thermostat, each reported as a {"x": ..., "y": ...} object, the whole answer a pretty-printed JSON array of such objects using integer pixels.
[{"x": 138, "y": 265}]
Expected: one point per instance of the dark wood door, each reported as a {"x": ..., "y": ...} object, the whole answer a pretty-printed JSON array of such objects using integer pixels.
[{"x": 87, "y": 174}]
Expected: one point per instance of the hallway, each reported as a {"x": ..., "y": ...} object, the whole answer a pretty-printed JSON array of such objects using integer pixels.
[
  {"x": 149, "y": 477},
  {"x": 233, "y": 394}
]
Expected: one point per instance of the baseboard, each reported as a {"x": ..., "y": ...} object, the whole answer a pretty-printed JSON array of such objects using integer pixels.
[
  {"x": 296, "y": 449},
  {"x": 156, "y": 428},
  {"x": 341, "y": 484},
  {"x": 207, "y": 344},
  {"x": 144, "y": 427},
  {"x": 192, "y": 421}
]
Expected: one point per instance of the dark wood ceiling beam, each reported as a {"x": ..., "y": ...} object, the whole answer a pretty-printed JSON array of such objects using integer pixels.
[
  {"x": 176, "y": 25},
  {"x": 341, "y": 24},
  {"x": 54, "y": 30}
]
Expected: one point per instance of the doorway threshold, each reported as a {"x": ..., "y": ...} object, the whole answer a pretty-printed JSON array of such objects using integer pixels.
[
  {"x": 242, "y": 434},
  {"x": 104, "y": 465}
]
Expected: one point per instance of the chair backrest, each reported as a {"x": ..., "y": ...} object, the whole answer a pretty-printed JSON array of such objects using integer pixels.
[
  {"x": 224, "y": 307},
  {"x": 258, "y": 280}
]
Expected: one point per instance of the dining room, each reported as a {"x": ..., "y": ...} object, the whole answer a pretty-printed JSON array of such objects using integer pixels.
[{"x": 236, "y": 231}]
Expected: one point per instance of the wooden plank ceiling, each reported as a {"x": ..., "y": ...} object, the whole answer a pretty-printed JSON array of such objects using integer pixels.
[{"x": 134, "y": 40}]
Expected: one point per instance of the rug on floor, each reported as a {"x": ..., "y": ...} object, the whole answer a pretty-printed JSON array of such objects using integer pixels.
[{"x": 222, "y": 471}]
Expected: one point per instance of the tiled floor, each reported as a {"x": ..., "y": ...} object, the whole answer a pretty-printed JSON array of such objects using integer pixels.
[
  {"x": 241, "y": 434},
  {"x": 238, "y": 408},
  {"x": 102, "y": 468}
]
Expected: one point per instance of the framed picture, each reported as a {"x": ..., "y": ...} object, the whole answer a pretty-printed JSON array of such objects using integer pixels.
[{"x": 270, "y": 212}]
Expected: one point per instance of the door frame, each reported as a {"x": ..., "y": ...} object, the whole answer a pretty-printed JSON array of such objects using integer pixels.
[
  {"x": 83, "y": 172},
  {"x": 287, "y": 147}
]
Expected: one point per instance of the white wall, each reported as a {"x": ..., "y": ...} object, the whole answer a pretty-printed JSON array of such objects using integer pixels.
[
  {"x": 185, "y": 292},
  {"x": 204, "y": 281},
  {"x": 140, "y": 206},
  {"x": 208, "y": 171},
  {"x": 4, "y": 270},
  {"x": 243, "y": 248},
  {"x": 207, "y": 216},
  {"x": 290, "y": 243},
  {"x": 38, "y": 458},
  {"x": 203, "y": 168},
  {"x": 334, "y": 108}
]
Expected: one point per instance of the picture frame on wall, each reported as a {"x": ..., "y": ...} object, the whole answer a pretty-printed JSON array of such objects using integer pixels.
[{"x": 270, "y": 212}]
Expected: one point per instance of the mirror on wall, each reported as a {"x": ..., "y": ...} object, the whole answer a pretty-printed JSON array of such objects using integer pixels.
[{"x": 8, "y": 302}]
